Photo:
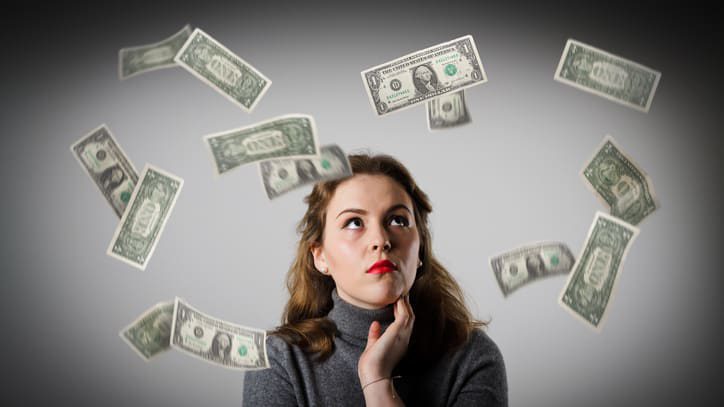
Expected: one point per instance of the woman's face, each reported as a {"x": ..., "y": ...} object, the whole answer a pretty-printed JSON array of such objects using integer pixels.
[{"x": 369, "y": 218}]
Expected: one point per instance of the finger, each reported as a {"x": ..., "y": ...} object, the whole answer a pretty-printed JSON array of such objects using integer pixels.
[
  {"x": 405, "y": 316},
  {"x": 408, "y": 308},
  {"x": 402, "y": 313},
  {"x": 374, "y": 334}
]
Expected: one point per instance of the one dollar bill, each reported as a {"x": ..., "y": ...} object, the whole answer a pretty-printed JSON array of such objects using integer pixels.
[
  {"x": 142, "y": 223},
  {"x": 448, "y": 110},
  {"x": 150, "y": 334},
  {"x": 592, "y": 281},
  {"x": 215, "y": 341},
  {"x": 289, "y": 136},
  {"x": 528, "y": 263},
  {"x": 423, "y": 75},
  {"x": 143, "y": 58},
  {"x": 620, "y": 183},
  {"x": 280, "y": 176},
  {"x": 108, "y": 166},
  {"x": 609, "y": 76},
  {"x": 223, "y": 70}
]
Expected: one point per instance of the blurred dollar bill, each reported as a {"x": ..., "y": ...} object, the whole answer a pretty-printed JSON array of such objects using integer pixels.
[
  {"x": 215, "y": 341},
  {"x": 423, "y": 75},
  {"x": 223, "y": 70},
  {"x": 107, "y": 165},
  {"x": 289, "y": 136},
  {"x": 448, "y": 110},
  {"x": 609, "y": 76},
  {"x": 525, "y": 264},
  {"x": 280, "y": 176},
  {"x": 143, "y": 58},
  {"x": 140, "y": 228},
  {"x": 150, "y": 334},
  {"x": 619, "y": 183},
  {"x": 591, "y": 283}
]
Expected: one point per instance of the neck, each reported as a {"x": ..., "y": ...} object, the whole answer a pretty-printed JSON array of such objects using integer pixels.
[{"x": 354, "y": 321}]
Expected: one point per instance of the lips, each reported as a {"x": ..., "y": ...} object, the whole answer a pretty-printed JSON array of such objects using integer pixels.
[{"x": 381, "y": 267}]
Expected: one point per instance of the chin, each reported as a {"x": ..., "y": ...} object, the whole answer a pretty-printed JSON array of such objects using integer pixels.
[{"x": 385, "y": 293}]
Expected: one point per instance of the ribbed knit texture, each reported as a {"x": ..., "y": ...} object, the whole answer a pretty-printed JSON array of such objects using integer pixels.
[{"x": 473, "y": 375}]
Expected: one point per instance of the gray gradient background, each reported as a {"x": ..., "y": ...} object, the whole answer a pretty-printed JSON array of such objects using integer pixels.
[{"x": 510, "y": 178}]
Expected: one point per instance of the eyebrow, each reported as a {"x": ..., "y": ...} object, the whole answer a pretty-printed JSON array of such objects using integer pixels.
[{"x": 364, "y": 212}]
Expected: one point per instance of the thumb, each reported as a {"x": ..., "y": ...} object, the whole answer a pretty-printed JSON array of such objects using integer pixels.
[{"x": 374, "y": 334}]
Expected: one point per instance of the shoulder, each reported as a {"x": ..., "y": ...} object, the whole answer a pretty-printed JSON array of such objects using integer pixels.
[
  {"x": 282, "y": 361},
  {"x": 482, "y": 372},
  {"x": 278, "y": 382},
  {"x": 277, "y": 348},
  {"x": 481, "y": 342},
  {"x": 482, "y": 351}
]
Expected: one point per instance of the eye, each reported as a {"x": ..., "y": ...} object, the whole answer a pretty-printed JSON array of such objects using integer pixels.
[
  {"x": 357, "y": 222},
  {"x": 400, "y": 220}
]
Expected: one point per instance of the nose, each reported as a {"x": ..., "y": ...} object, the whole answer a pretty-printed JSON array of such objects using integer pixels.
[{"x": 380, "y": 240}]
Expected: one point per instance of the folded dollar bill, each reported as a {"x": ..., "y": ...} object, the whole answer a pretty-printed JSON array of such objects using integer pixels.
[
  {"x": 150, "y": 334},
  {"x": 222, "y": 70},
  {"x": 592, "y": 281},
  {"x": 216, "y": 341},
  {"x": 619, "y": 183},
  {"x": 289, "y": 136},
  {"x": 609, "y": 76},
  {"x": 105, "y": 162},
  {"x": 448, "y": 110},
  {"x": 280, "y": 176},
  {"x": 423, "y": 75},
  {"x": 531, "y": 262},
  {"x": 143, "y": 58},
  {"x": 142, "y": 223}
]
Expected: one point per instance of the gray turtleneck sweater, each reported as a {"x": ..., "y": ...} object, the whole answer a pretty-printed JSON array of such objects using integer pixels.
[{"x": 474, "y": 375}]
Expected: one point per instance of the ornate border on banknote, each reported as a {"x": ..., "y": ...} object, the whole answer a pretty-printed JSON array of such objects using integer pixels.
[
  {"x": 649, "y": 194},
  {"x": 628, "y": 233},
  {"x": 148, "y": 169},
  {"x": 155, "y": 311},
  {"x": 184, "y": 33},
  {"x": 465, "y": 46},
  {"x": 210, "y": 138},
  {"x": 96, "y": 135},
  {"x": 220, "y": 324},
  {"x": 565, "y": 56},
  {"x": 198, "y": 33}
]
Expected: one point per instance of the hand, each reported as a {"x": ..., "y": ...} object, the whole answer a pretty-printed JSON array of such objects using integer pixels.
[{"x": 382, "y": 353}]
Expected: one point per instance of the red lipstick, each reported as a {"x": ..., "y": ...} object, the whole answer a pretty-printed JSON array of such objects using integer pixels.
[{"x": 381, "y": 267}]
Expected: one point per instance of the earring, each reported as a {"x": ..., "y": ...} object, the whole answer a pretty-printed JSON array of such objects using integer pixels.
[
  {"x": 323, "y": 271},
  {"x": 419, "y": 264}
]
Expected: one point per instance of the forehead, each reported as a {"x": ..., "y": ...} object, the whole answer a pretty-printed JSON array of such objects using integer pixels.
[{"x": 368, "y": 192}]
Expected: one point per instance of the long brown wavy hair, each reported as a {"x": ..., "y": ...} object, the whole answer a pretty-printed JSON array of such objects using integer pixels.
[{"x": 442, "y": 320}]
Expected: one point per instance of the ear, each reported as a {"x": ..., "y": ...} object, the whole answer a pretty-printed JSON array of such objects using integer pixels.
[{"x": 320, "y": 263}]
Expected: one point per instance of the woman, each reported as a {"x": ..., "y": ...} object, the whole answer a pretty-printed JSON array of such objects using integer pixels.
[{"x": 373, "y": 318}]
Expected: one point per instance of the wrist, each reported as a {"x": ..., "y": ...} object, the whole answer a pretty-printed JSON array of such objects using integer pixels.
[
  {"x": 369, "y": 376},
  {"x": 380, "y": 380},
  {"x": 380, "y": 391},
  {"x": 381, "y": 386}
]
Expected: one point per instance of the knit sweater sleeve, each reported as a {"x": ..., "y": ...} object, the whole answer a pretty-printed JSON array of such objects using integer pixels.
[
  {"x": 485, "y": 382},
  {"x": 273, "y": 386}
]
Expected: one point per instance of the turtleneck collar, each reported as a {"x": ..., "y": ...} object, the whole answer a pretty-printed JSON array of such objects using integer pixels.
[{"x": 354, "y": 322}]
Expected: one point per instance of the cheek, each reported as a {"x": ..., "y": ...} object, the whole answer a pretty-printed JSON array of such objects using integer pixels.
[
  {"x": 411, "y": 243},
  {"x": 409, "y": 248},
  {"x": 342, "y": 250}
]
